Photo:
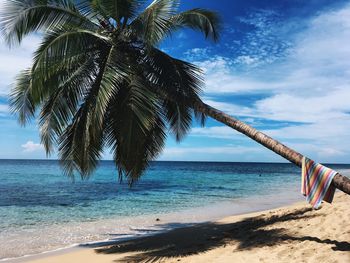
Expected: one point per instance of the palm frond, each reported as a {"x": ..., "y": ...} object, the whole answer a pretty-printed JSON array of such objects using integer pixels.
[
  {"x": 136, "y": 130},
  {"x": 21, "y": 101},
  {"x": 60, "y": 107},
  {"x": 154, "y": 23},
  {"x": 81, "y": 144},
  {"x": 173, "y": 76},
  {"x": 206, "y": 21},
  {"x": 31, "y": 90},
  {"x": 179, "y": 84},
  {"x": 79, "y": 147},
  {"x": 60, "y": 47},
  {"x": 179, "y": 117},
  {"x": 119, "y": 10},
  {"x": 21, "y": 17}
]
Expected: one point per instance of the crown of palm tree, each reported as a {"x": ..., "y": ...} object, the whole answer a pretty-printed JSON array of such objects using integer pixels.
[{"x": 98, "y": 80}]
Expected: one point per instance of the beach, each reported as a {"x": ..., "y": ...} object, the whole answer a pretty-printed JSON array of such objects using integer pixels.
[
  {"x": 295, "y": 233},
  {"x": 174, "y": 204},
  {"x": 100, "y": 209},
  {"x": 142, "y": 141}
]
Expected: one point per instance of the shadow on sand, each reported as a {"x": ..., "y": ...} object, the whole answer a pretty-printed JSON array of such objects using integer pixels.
[{"x": 199, "y": 238}]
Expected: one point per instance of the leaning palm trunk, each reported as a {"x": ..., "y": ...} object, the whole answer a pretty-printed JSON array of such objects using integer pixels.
[{"x": 339, "y": 181}]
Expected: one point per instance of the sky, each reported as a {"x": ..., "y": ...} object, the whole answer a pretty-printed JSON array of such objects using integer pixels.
[{"x": 282, "y": 66}]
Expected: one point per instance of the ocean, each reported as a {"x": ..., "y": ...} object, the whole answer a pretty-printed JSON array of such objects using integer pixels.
[{"x": 42, "y": 210}]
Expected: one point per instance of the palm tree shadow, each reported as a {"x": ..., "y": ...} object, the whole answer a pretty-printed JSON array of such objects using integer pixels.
[{"x": 203, "y": 237}]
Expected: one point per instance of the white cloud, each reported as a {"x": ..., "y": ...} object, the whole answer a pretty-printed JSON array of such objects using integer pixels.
[
  {"x": 266, "y": 43},
  {"x": 221, "y": 78},
  {"x": 231, "y": 108},
  {"x": 322, "y": 139},
  {"x": 215, "y": 132},
  {"x": 211, "y": 150},
  {"x": 246, "y": 60},
  {"x": 197, "y": 53},
  {"x": 319, "y": 141},
  {"x": 310, "y": 86},
  {"x": 4, "y": 108},
  {"x": 225, "y": 153},
  {"x": 317, "y": 62},
  {"x": 306, "y": 108},
  {"x": 30, "y": 147},
  {"x": 15, "y": 59}
]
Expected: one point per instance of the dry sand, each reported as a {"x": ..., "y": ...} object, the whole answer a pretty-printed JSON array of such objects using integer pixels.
[{"x": 290, "y": 234}]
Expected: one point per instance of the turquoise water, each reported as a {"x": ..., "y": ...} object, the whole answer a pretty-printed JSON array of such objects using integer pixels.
[{"x": 36, "y": 198}]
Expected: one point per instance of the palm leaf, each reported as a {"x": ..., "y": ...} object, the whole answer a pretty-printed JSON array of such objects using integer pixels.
[
  {"x": 21, "y": 101},
  {"x": 179, "y": 84},
  {"x": 179, "y": 118},
  {"x": 136, "y": 130},
  {"x": 82, "y": 142},
  {"x": 117, "y": 9},
  {"x": 174, "y": 76},
  {"x": 206, "y": 21},
  {"x": 61, "y": 46},
  {"x": 154, "y": 23},
  {"x": 61, "y": 105},
  {"x": 21, "y": 17}
]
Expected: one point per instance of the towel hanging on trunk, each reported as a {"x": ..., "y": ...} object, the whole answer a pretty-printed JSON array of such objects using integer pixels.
[{"x": 316, "y": 182}]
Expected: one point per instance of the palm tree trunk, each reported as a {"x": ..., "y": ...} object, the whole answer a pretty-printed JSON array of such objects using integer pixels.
[{"x": 339, "y": 181}]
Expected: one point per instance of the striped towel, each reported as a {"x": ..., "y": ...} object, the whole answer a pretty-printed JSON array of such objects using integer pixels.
[{"x": 316, "y": 182}]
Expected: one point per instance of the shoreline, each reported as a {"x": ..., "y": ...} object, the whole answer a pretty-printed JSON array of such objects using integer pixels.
[
  {"x": 289, "y": 233},
  {"x": 213, "y": 212}
]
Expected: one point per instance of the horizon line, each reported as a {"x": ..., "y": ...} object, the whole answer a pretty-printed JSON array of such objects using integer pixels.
[{"x": 109, "y": 160}]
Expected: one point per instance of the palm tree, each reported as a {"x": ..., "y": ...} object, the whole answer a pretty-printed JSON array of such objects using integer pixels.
[{"x": 99, "y": 81}]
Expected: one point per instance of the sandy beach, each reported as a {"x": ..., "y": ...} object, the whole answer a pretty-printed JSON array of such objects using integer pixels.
[
  {"x": 174, "y": 131},
  {"x": 295, "y": 233}
]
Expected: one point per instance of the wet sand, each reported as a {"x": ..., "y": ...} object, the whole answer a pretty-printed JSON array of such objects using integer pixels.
[{"x": 293, "y": 233}]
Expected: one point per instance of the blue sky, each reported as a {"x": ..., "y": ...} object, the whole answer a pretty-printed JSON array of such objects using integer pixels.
[{"x": 282, "y": 66}]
